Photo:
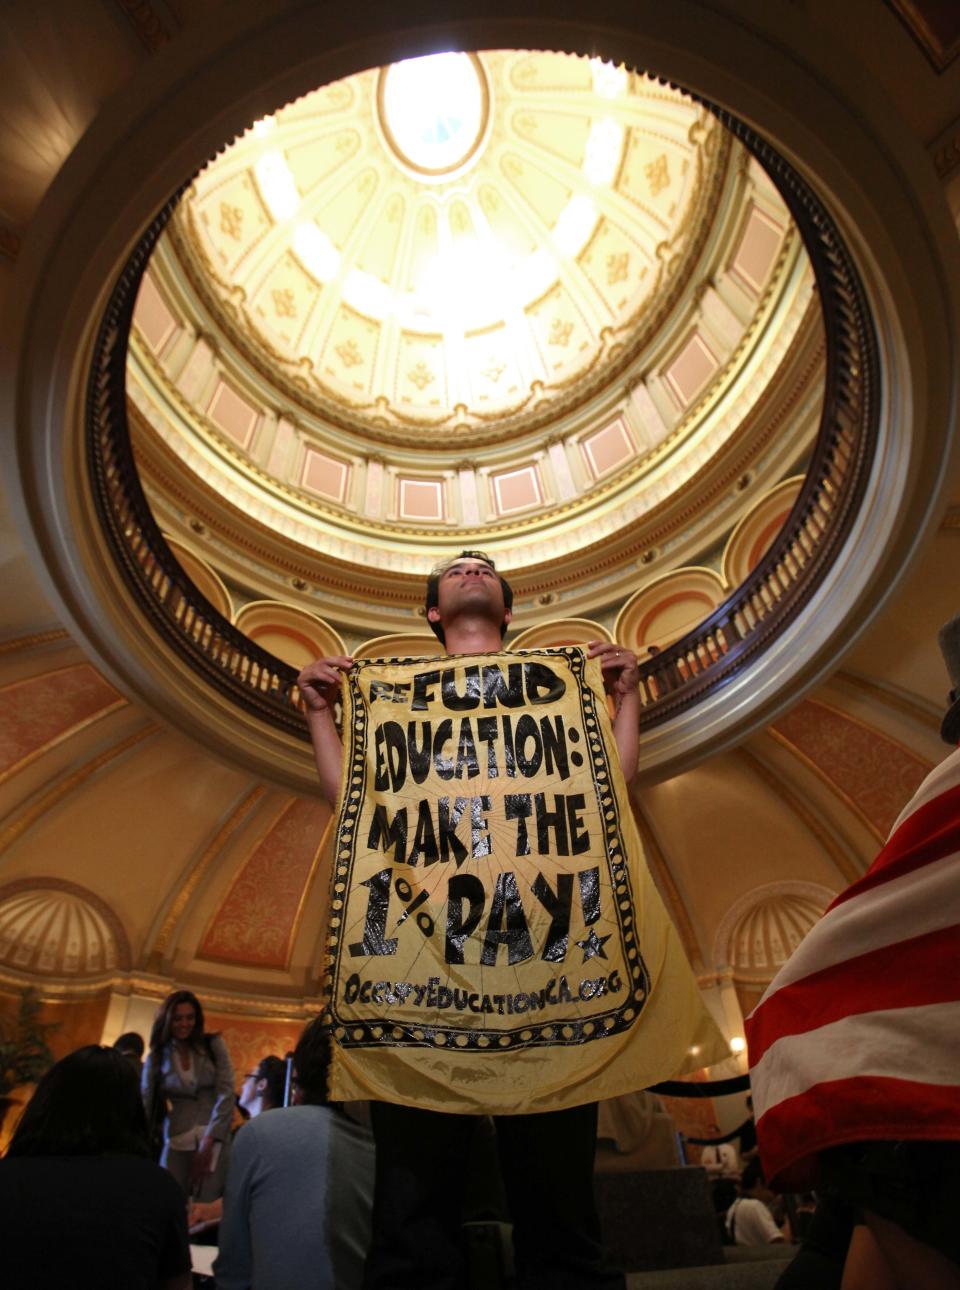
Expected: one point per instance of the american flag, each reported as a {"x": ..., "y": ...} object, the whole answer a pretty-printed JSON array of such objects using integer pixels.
[{"x": 858, "y": 1036}]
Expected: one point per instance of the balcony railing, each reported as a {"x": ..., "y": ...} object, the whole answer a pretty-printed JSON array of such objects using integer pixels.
[
  {"x": 794, "y": 566},
  {"x": 683, "y": 674}
]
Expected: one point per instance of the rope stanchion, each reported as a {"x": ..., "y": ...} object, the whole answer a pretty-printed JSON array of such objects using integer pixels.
[
  {"x": 727, "y": 1137},
  {"x": 288, "y": 1081},
  {"x": 708, "y": 1088}
]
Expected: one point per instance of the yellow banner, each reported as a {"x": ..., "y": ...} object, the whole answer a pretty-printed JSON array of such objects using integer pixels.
[{"x": 497, "y": 944}]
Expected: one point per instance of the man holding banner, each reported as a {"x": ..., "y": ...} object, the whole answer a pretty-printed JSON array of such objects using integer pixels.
[{"x": 496, "y": 943}]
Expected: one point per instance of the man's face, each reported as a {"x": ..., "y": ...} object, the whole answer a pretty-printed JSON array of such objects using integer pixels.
[
  {"x": 249, "y": 1090},
  {"x": 467, "y": 582}
]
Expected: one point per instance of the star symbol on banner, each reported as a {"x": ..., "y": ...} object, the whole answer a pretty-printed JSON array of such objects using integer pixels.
[{"x": 593, "y": 946}]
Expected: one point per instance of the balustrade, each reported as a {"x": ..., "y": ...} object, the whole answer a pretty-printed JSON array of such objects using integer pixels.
[{"x": 671, "y": 680}]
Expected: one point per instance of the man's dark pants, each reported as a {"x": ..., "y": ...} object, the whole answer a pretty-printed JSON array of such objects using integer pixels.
[{"x": 546, "y": 1162}]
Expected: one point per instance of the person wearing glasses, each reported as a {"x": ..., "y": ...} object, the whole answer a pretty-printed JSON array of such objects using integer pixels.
[{"x": 262, "y": 1090}]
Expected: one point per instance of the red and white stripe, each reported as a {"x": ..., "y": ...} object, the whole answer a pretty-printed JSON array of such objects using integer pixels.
[{"x": 858, "y": 1036}]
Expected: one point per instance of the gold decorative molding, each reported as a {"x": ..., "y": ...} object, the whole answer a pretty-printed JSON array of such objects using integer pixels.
[
  {"x": 781, "y": 789},
  {"x": 291, "y": 1008},
  {"x": 935, "y": 28},
  {"x": 774, "y": 409},
  {"x": 660, "y": 869},
  {"x": 48, "y": 991},
  {"x": 300, "y": 381},
  {"x": 561, "y": 631},
  {"x": 808, "y": 328},
  {"x": 154, "y": 954},
  {"x": 927, "y": 714},
  {"x": 17, "y": 644},
  {"x": 26, "y": 818},
  {"x": 462, "y": 161},
  {"x": 55, "y": 671},
  {"x": 187, "y": 258},
  {"x": 36, "y": 753},
  {"x": 315, "y": 864}
]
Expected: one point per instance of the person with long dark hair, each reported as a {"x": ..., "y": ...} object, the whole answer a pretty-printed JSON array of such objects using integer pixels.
[
  {"x": 188, "y": 1082},
  {"x": 300, "y": 1192},
  {"x": 81, "y": 1202}
]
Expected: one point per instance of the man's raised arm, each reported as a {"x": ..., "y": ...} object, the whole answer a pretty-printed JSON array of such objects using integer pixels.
[
  {"x": 320, "y": 684},
  {"x": 621, "y": 679}
]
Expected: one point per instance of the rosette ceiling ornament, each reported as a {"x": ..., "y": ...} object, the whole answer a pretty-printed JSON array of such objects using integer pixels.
[{"x": 523, "y": 300}]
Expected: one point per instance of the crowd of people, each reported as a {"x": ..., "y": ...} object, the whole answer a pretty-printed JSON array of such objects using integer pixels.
[
  {"x": 120, "y": 1162},
  {"x": 123, "y": 1150},
  {"x": 282, "y": 1179}
]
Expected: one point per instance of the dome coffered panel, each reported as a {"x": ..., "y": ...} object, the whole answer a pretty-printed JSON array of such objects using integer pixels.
[
  {"x": 530, "y": 345},
  {"x": 398, "y": 289}
]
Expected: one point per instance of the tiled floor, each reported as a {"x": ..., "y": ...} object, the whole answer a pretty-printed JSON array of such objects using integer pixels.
[{"x": 759, "y": 1275}]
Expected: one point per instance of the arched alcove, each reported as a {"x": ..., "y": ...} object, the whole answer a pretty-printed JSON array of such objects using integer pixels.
[
  {"x": 762, "y": 929},
  {"x": 53, "y": 929},
  {"x": 293, "y": 634}
]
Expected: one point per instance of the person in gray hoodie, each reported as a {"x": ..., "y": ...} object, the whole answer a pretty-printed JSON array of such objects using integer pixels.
[{"x": 300, "y": 1189}]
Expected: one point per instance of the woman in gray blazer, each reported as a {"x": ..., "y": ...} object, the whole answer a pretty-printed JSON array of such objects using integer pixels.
[{"x": 188, "y": 1078}]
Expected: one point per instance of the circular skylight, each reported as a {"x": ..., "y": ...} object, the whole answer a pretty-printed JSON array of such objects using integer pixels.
[
  {"x": 487, "y": 298},
  {"x": 434, "y": 111}
]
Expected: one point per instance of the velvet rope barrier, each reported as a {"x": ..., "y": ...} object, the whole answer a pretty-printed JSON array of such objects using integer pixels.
[
  {"x": 706, "y": 1088},
  {"x": 713, "y": 1142}
]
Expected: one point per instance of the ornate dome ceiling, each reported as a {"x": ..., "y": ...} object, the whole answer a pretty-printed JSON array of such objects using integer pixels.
[
  {"x": 523, "y": 299},
  {"x": 521, "y": 245},
  {"x": 292, "y": 495}
]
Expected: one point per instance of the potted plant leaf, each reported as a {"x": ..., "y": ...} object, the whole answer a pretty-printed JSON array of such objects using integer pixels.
[{"x": 24, "y": 1052}]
